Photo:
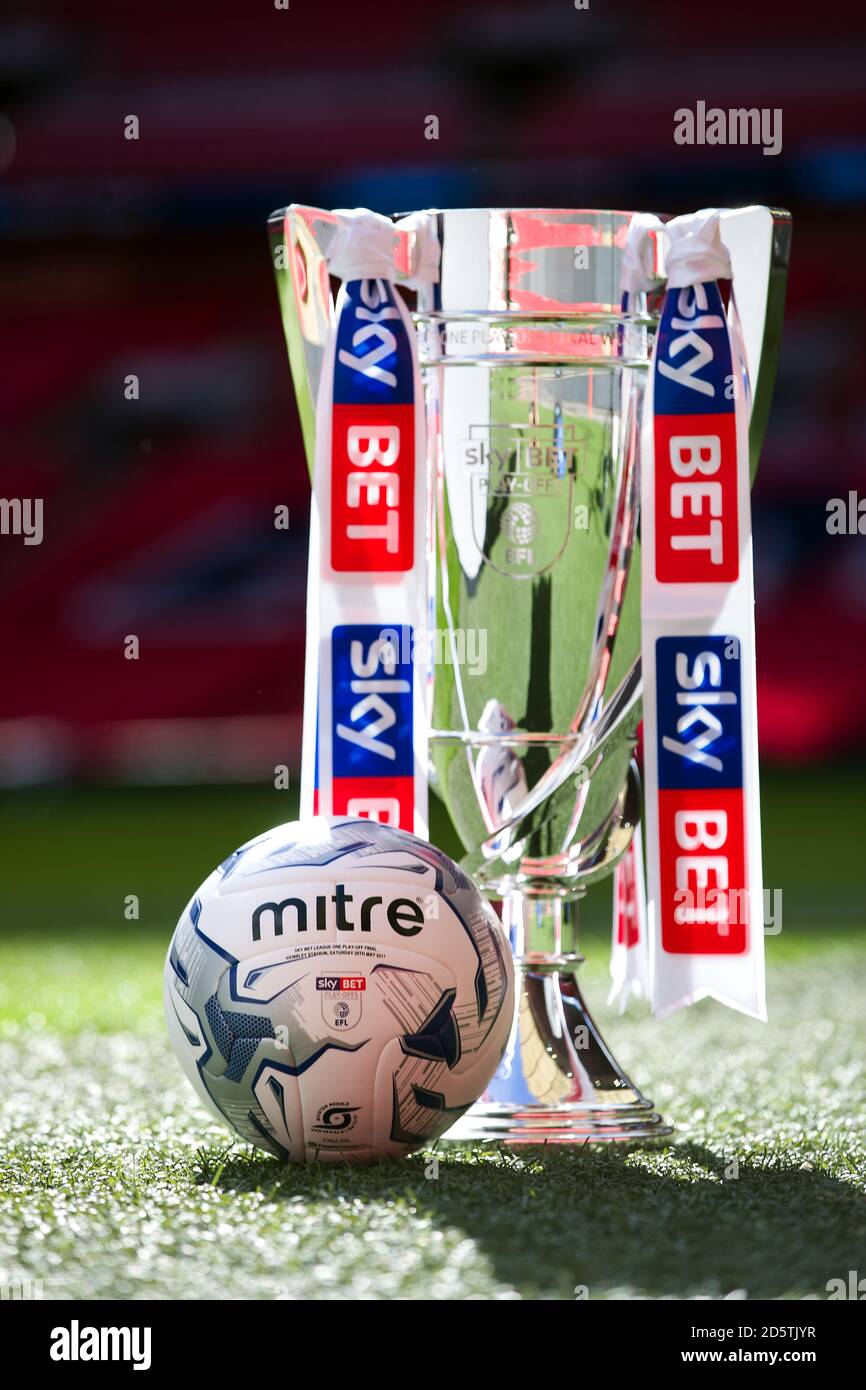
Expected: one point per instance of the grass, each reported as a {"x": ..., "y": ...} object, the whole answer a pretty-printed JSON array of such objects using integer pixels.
[{"x": 114, "y": 1183}]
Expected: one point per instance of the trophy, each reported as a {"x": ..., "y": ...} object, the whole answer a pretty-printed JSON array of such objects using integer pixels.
[{"x": 533, "y": 367}]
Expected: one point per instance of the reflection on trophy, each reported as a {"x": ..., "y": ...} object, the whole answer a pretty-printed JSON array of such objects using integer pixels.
[{"x": 533, "y": 376}]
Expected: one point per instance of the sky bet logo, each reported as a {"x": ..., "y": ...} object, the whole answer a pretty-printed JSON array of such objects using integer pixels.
[
  {"x": 701, "y": 808},
  {"x": 696, "y": 524},
  {"x": 372, "y": 724},
  {"x": 373, "y": 435}
]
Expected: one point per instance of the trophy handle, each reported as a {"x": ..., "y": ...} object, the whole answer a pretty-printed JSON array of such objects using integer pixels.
[
  {"x": 302, "y": 239},
  {"x": 758, "y": 240}
]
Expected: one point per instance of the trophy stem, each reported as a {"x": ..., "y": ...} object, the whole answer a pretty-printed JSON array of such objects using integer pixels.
[{"x": 557, "y": 1082}]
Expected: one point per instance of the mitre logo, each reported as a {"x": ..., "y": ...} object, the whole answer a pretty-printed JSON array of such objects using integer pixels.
[{"x": 403, "y": 915}]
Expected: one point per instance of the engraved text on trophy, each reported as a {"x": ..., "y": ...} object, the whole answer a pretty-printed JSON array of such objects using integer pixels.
[{"x": 522, "y": 492}]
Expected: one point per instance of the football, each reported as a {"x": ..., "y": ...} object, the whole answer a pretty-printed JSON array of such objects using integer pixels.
[{"x": 338, "y": 990}]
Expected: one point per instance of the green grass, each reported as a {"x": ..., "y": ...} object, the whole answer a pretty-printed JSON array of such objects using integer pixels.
[
  {"x": 114, "y": 1182},
  {"x": 71, "y": 856}
]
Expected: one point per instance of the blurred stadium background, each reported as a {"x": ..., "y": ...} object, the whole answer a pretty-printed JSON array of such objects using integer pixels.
[{"x": 149, "y": 258}]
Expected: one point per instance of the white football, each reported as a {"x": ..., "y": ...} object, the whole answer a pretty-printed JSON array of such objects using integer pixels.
[{"x": 338, "y": 990}]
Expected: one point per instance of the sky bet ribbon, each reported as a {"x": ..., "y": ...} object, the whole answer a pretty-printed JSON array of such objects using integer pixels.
[
  {"x": 698, "y": 640},
  {"x": 364, "y": 743}
]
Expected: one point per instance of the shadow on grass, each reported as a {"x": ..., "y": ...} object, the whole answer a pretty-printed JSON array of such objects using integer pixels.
[{"x": 668, "y": 1224}]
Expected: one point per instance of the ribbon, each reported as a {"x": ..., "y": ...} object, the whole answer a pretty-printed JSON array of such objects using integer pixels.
[
  {"x": 629, "y": 963},
  {"x": 698, "y": 646},
  {"x": 364, "y": 749}
]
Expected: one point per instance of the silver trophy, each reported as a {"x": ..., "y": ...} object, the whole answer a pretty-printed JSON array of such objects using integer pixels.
[{"x": 533, "y": 380}]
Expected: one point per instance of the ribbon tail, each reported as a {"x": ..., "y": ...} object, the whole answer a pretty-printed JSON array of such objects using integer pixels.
[
  {"x": 364, "y": 747},
  {"x": 698, "y": 643}
]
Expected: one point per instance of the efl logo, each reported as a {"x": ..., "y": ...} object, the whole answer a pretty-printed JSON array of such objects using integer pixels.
[
  {"x": 373, "y": 435},
  {"x": 349, "y": 983},
  {"x": 373, "y": 755},
  {"x": 696, "y": 523},
  {"x": 702, "y": 833}
]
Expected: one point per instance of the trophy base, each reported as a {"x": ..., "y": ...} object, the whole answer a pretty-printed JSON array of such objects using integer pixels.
[
  {"x": 636, "y": 1122},
  {"x": 558, "y": 1082}
]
